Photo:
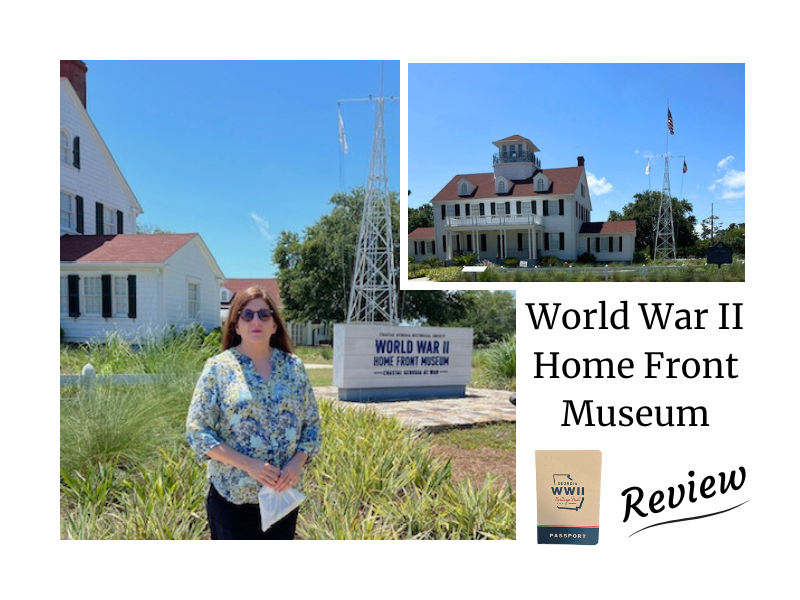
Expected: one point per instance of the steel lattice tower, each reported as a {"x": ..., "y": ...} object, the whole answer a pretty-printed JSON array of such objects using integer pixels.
[
  {"x": 373, "y": 294},
  {"x": 665, "y": 228}
]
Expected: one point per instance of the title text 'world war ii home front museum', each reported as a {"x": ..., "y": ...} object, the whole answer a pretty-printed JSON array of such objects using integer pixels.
[{"x": 523, "y": 211}]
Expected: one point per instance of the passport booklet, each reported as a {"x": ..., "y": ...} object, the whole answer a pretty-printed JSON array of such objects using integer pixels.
[{"x": 568, "y": 496}]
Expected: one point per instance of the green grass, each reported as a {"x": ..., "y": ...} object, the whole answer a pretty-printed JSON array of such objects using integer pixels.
[
  {"x": 501, "y": 436},
  {"x": 127, "y": 473},
  {"x": 688, "y": 272},
  {"x": 495, "y": 367}
]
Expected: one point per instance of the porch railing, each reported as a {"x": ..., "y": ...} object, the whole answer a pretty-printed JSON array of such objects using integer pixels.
[{"x": 493, "y": 220}]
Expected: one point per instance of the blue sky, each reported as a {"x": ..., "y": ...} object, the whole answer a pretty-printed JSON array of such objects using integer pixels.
[
  {"x": 239, "y": 151},
  {"x": 613, "y": 115}
]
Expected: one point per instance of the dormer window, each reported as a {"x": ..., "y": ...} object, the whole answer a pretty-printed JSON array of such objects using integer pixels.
[
  {"x": 501, "y": 187},
  {"x": 463, "y": 190},
  {"x": 540, "y": 185},
  {"x": 65, "y": 149}
]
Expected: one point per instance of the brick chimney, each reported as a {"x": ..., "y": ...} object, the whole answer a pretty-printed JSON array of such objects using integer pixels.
[
  {"x": 75, "y": 71},
  {"x": 580, "y": 161}
]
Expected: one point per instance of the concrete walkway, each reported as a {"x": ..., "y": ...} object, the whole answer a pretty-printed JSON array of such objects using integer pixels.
[{"x": 478, "y": 407}]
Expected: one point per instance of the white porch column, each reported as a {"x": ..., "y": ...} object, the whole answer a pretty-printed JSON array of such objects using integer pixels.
[
  {"x": 476, "y": 244},
  {"x": 449, "y": 239},
  {"x": 530, "y": 244}
]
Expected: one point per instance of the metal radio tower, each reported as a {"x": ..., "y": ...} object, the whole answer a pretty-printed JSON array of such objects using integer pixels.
[
  {"x": 665, "y": 230},
  {"x": 373, "y": 293}
]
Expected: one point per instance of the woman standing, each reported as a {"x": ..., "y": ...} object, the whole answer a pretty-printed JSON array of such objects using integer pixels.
[{"x": 253, "y": 417}]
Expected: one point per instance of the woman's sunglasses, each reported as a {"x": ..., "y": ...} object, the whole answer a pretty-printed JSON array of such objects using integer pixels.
[{"x": 264, "y": 314}]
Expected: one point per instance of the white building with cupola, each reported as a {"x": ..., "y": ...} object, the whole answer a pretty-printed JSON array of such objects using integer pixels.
[{"x": 524, "y": 211}]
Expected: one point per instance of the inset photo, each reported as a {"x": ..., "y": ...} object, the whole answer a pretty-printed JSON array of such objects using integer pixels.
[{"x": 584, "y": 172}]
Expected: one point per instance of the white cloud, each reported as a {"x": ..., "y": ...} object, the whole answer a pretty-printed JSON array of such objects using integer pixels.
[
  {"x": 598, "y": 187},
  {"x": 263, "y": 227},
  {"x": 636, "y": 152},
  {"x": 731, "y": 185},
  {"x": 723, "y": 164}
]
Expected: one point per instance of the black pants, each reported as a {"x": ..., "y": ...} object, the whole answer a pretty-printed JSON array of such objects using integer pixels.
[{"x": 230, "y": 521}]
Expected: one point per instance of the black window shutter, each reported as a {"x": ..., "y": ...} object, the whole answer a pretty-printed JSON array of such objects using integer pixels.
[
  {"x": 560, "y": 240},
  {"x": 483, "y": 242},
  {"x": 620, "y": 243},
  {"x": 547, "y": 241},
  {"x": 508, "y": 208},
  {"x": 76, "y": 152},
  {"x": 416, "y": 249},
  {"x": 443, "y": 212},
  {"x": 597, "y": 244},
  {"x": 106, "y": 284},
  {"x": 588, "y": 248},
  {"x": 131, "y": 296},
  {"x": 119, "y": 222},
  {"x": 492, "y": 208},
  {"x": 433, "y": 247},
  {"x": 74, "y": 295},
  {"x": 546, "y": 207},
  {"x": 482, "y": 209},
  {"x": 561, "y": 207},
  {"x": 519, "y": 241},
  {"x": 519, "y": 207},
  {"x": 533, "y": 206},
  {"x": 79, "y": 214},
  {"x": 610, "y": 244},
  {"x": 98, "y": 218},
  {"x": 469, "y": 242},
  {"x": 458, "y": 210},
  {"x": 444, "y": 243},
  {"x": 466, "y": 210}
]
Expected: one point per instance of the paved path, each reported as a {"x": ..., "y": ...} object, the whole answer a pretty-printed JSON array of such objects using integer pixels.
[{"x": 478, "y": 407}]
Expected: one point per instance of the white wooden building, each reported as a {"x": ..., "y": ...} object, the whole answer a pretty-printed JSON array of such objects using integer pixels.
[
  {"x": 422, "y": 244},
  {"x": 309, "y": 333},
  {"x": 113, "y": 279},
  {"x": 523, "y": 211}
]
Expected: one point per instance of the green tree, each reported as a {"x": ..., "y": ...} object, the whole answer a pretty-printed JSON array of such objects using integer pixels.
[
  {"x": 644, "y": 209},
  {"x": 420, "y": 217},
  {"x": 315, "y": 269},
  {"x": 492, "y": 315}
]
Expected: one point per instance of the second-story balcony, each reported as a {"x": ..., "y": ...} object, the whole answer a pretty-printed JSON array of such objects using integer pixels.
[
  {"x": 484, "y": 221},
  {"x": 515, "y": 157}
]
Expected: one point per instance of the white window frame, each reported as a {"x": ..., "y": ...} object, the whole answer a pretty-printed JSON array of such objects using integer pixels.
[
  {"x": 66, "y": 147},
  {"x": 109, "y": 220},
  {"x": 68, "y": 212},
  {"x": 90, "y": 297},
  {"x": 501, "y": 187},
  {"x": 120, "y": 297},
  {"x": 539, "y": 184},
  {"x": 193, "y": 304},
  {"x": 463, "y": 188},
  {"x": 64, "y": 295}
]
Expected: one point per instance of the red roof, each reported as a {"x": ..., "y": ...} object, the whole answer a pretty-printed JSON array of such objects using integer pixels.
[
  {"x": 565, "y": 181},
  {"x": 130, "y": 248},
  {"x": 268, "y": 285},
  {"x": 609, "y": 227},
  {"x": 422, "y": 233}
]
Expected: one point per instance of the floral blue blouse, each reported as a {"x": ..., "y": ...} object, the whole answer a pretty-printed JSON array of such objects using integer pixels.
[{"x": 269, "y": 420}]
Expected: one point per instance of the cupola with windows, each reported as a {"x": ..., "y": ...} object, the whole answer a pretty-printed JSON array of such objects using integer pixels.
[{"x": 516, "y": 158}]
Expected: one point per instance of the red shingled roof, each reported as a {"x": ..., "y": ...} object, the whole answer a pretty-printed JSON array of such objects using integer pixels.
[
  {"x": 130, "y": 248},
  {"x": 609, "y": 227},
  {"x": 268, "y": 285},
  {"x": 565, "y": 181},
  {"x": 422, "y": 233}
]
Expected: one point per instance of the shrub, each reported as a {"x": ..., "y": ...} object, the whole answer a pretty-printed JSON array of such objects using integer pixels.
[
  {"x": 641, "y": 257},
  {"x": 434, "y": 262},
  {"x": 550, "y": 261},
  {"x": 587, "y": 258},
  {"x": 464, "y": 260},
  {"x": 511, "y": 262}
]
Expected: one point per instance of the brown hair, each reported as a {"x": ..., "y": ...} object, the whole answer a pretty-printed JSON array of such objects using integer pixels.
[{"x": 280, "y": 339}]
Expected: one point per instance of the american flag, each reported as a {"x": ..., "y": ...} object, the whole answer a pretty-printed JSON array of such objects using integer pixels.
[
  {"x": 684, "y": 165},
  {"x": 670, "y": 123}
]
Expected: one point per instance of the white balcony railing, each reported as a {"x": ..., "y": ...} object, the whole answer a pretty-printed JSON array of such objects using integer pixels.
[{"x": 494, "y": 220}]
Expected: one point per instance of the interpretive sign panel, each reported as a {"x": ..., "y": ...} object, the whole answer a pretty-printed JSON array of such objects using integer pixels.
[
  {"x": 373, "y": 361},
  {"x": 720, "y": 254}
]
